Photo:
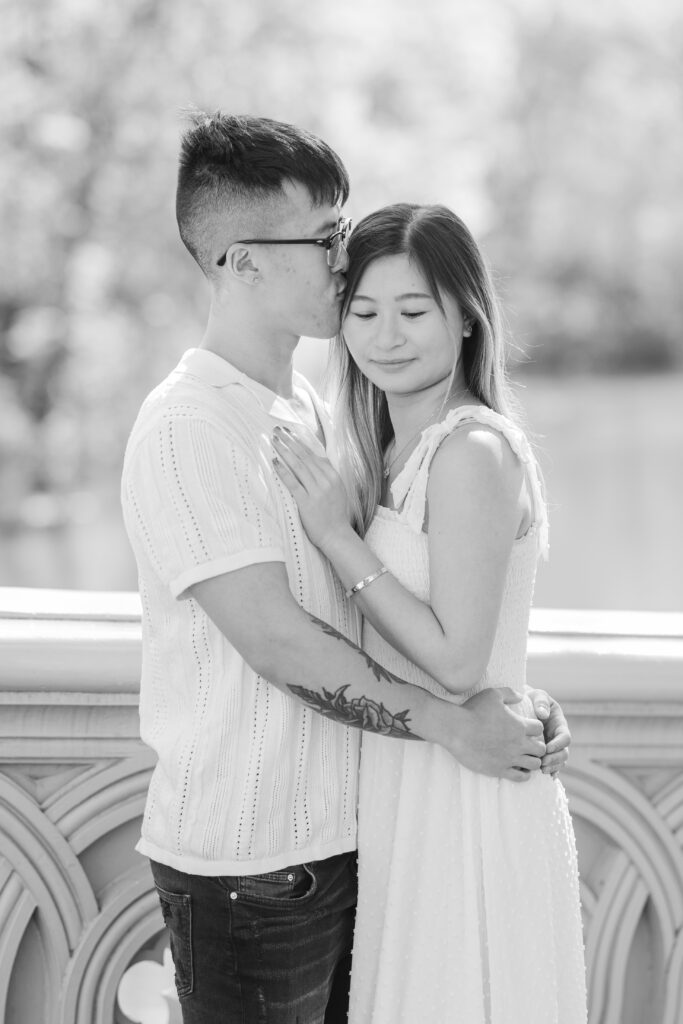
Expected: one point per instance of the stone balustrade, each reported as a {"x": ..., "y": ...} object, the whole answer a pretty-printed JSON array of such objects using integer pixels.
[{"x": 77, "y": 905}]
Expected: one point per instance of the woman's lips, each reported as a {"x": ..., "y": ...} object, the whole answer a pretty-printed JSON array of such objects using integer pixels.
[{"x": 389, "y": 364}]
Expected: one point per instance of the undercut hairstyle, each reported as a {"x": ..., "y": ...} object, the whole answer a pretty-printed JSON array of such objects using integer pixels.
[
  {"x": 440, "y": 245},
  {"x": 232, "y": 173}
]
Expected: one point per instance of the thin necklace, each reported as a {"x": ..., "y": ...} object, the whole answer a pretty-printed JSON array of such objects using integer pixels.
[{"x": 390, "y": 465}]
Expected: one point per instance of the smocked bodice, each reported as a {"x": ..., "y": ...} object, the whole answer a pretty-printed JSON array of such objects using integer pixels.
[{"x": 399, "y": 541}]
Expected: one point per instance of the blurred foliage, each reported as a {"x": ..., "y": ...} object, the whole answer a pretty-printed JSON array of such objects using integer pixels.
[{"x": 552, "y": 128}]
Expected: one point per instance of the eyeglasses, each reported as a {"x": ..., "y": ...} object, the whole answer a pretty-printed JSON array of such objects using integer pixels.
[{"x": 337, "y": 256}]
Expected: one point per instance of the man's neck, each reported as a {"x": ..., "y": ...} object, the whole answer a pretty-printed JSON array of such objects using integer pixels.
[{"x": 264, "y": 357}]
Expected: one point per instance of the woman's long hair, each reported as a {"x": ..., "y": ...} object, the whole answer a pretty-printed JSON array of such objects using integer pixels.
[{"x": 442, "y": 248}]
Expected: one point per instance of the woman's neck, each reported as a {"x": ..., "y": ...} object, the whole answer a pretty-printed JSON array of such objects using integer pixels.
[{"x": 412, "y": 413}]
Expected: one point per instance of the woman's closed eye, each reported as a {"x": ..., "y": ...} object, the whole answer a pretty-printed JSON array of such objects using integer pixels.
[{"x": 408, "y": 314}]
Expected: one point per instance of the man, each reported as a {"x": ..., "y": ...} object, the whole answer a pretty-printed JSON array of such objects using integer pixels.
[{"x": 252, "y": 672}]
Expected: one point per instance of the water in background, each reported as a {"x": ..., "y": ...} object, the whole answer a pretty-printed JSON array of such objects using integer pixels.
[
  {"x": 612, "y": 454},
  {"x": 611, "y": 449}
]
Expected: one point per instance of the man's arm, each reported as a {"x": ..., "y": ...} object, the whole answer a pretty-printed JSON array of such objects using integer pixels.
[{"x": 254, "y": 609}]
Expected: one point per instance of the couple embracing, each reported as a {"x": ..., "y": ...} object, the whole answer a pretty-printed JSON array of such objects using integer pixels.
[{"x": 335, "y": 611}]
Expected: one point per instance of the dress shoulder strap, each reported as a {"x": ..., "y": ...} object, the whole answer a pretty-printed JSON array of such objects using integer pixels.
[{"x": 409, "y": 489}]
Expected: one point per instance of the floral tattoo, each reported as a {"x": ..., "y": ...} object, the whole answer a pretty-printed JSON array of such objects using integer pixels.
[
  {"x": 360, "y": 712},
  {"x": 378, "y": 671}
]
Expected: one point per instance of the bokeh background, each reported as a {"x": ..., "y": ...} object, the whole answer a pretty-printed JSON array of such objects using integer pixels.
[{"x": 552, "y": 128}]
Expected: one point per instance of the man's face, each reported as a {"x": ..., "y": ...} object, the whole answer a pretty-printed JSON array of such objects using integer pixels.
[{"x": 303, "y": 295}]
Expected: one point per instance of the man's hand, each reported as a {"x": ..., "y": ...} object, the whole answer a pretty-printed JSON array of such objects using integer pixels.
[
  {"x": 496, "y": 740},
  {"x": 556, "y": 731}
]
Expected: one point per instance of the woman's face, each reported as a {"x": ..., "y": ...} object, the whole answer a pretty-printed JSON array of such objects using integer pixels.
[{"x": 396, "y": 333}]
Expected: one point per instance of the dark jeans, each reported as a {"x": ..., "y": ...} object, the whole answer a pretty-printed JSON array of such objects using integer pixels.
[{"x": 262, "y": 949}]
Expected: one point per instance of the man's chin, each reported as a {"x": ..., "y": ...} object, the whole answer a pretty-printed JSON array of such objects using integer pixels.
[
  {"x": 317, "y": 336},
  {"x": 323, "y": 332}
]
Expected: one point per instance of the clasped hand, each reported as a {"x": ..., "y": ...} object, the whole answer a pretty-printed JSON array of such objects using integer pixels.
[{"x": 315, "y": 485}]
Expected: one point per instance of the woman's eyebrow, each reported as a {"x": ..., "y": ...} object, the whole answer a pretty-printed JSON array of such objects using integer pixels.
[{"x": 398, "y": 298}]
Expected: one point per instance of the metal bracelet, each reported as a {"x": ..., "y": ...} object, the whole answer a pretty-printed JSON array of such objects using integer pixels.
[{"x": 367, "y": 581}]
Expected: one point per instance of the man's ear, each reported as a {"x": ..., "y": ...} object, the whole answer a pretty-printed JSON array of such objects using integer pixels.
[{"x": 239, "y": 261}]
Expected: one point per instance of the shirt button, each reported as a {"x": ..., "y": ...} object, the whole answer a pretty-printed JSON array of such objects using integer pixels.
[
  {"x": 233, "y": 895},
  {"x": 290, "y": 878}
]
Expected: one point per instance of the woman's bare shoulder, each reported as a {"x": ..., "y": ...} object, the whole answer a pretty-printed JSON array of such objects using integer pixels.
[{"x": 476, "y": 449}]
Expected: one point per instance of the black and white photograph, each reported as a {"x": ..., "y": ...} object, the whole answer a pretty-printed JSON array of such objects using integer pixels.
[{"x": 341, "y": 491}]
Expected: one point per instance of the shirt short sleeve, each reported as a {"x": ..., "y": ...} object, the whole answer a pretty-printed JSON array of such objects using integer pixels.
[{"x": 197, "y": 504}]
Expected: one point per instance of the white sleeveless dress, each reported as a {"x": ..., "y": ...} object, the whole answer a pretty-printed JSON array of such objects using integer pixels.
[{"x": 468, "y": 906}]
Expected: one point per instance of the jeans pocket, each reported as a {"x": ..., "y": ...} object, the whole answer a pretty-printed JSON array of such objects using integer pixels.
[
  {"x": 292, "y": 886},
  {"x": 177, "y": 911}
]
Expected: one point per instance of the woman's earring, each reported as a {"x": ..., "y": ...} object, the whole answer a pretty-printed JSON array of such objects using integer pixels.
[{"x": 467, "y": 329}]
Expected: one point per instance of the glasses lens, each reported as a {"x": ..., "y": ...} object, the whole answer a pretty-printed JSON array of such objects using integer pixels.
[
  {"x": 336, "y": 254},
  {"x": 333, "y": 252}
]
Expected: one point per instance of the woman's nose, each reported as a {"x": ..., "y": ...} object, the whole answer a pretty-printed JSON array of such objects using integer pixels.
[{"x": 389, "y": 334}]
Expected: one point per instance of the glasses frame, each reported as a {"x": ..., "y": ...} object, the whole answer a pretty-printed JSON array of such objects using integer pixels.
[{"x": 343, "y": 228}]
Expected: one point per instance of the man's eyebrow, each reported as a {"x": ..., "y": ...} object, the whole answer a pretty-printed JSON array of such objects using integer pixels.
[{"x": 325, "y": 228}]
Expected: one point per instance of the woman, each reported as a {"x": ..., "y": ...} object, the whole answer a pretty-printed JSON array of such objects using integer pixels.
[{"x": 468, "y": 907}]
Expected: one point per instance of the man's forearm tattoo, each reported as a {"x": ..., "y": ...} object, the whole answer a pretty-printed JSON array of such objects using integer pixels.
[
  {"x": 360, "y": 712},
  {"x": 378, "y": 671}
]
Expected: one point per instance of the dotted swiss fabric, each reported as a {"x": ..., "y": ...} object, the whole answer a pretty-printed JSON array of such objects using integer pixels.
[{"x": 468, "y": 909}]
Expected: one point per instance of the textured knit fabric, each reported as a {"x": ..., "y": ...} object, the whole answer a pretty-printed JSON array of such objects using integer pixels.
[
  {"x": 247, "y": 779},
  {"x": 468, "y": 909}
]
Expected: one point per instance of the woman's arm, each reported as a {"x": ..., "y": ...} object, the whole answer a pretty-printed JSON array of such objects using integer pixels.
[
  {"x": 477, "y": 501},
  {"x": 309, "y": 660}
]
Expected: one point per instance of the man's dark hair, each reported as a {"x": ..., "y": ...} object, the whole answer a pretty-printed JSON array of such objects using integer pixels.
[{"x": 230, "y": 165}]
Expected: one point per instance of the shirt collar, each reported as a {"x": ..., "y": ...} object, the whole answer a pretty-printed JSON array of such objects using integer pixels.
[{"x": 217, "y": 372}]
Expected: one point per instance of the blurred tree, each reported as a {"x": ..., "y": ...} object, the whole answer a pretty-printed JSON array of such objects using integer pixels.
[
  {"x": 551, "y": 128},
  {"x": 587, "y": 188}
]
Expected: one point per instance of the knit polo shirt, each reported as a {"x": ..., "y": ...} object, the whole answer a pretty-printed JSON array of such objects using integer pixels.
[{"x": 248, "y": 780}]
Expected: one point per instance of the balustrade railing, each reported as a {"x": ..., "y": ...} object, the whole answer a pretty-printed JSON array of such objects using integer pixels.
[{"x": 77, "y": 904}]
